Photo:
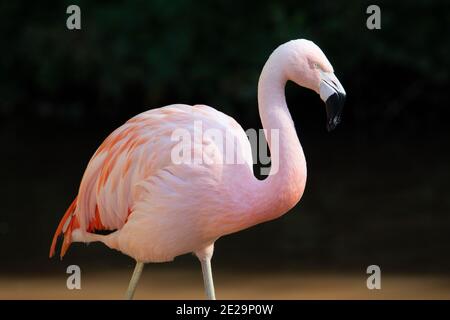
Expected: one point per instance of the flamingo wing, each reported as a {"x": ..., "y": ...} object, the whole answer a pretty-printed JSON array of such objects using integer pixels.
[{"x": 131, "y": 154}]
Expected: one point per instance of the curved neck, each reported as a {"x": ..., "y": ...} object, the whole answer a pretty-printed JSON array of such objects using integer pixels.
[
  {"x": 284, "y": 186},
  {"x": 264, "y": 200}
]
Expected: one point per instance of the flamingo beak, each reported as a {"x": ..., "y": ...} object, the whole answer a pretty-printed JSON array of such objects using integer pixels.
[{"x": 333, "y": 94}]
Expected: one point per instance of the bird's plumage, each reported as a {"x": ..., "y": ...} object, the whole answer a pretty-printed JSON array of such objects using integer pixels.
[{"x": 132, "y": 185}]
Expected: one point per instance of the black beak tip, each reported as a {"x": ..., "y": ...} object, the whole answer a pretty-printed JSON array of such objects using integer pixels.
[
  {"x": 334, "y": 106},
  {"x": 333, "y": 123}
]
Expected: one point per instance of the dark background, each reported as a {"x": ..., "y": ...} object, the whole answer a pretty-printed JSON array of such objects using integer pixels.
[{"x": 378, "y": 186}]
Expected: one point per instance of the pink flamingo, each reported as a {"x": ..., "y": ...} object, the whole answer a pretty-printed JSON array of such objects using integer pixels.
[{"x": 160, "y": 209}]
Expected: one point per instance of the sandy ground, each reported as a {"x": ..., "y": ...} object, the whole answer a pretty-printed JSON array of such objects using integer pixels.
[{"x": 172, "y": 284}]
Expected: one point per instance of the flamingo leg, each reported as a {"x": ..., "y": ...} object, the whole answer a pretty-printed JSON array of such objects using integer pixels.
[
  {"x": 134, "y": 280},
  {"x": 208, "y": 279}
]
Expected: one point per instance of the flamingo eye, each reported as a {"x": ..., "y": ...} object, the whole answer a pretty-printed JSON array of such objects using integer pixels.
[{"x": 316, "y": 65}]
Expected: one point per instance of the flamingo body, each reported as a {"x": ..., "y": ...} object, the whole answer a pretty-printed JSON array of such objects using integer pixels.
[{"x": 158, "y": 208}]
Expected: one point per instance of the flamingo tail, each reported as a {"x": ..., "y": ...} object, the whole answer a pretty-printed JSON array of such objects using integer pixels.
[{"x": 65, "y": 227}]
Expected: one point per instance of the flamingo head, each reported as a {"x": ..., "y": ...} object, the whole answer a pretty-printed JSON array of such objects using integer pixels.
[{"x": 308, "y": 66}]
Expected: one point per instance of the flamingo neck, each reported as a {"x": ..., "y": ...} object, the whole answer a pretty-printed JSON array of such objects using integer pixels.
[
  {"x": 268, "y": 199},
  {"x": 284, "y": 186}
]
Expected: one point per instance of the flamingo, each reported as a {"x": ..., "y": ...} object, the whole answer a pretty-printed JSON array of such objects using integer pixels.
[{"x": 157, "y": 209}]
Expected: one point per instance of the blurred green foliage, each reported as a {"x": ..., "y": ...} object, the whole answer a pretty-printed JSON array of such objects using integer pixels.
[{"x": 132, "y": 55}]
